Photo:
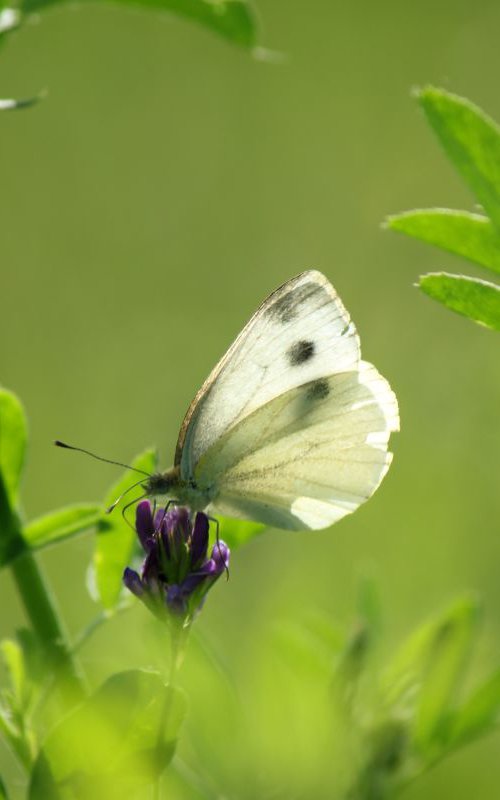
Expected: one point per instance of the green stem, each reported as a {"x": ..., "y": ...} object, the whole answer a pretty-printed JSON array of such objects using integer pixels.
[
  {"x": 43, "y": 615},
  {"x": 178, "y": 639}
]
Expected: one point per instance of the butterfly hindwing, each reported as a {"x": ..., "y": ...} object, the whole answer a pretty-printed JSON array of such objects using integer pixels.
[{"x": 308, "y": 457}]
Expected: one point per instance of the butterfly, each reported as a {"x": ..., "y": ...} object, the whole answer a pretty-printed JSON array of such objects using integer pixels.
[{"x": 291, "y": 427}]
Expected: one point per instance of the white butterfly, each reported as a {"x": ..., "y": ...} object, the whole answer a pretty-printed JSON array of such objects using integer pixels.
[{"x": 291, "y": 428}]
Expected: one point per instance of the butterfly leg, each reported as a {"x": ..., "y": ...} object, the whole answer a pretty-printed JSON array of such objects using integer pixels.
[
  {"x": 165, "y": 511},
  {"x": 132, "y": 502}
]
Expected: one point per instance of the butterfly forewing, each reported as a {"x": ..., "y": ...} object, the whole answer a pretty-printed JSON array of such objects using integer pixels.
[{"x": 301, "y": 333}]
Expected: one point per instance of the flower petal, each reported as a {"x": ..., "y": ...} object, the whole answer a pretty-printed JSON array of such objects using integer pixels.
[
  {"x": 144, "y": 524},
  {"x": 220, "y": 555},
  {"x": 199, "y": 539},
  {"x": 133, "y": 582},
  {"x": 179, "y": 523}
]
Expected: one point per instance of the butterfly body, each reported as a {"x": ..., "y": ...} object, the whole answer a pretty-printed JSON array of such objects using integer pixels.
[
  {"x": 291, "y": 428},
  {"x": 184, "y": 492}
]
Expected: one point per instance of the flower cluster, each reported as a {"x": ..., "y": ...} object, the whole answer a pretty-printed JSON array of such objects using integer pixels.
[{"x": 177, "y": 572}]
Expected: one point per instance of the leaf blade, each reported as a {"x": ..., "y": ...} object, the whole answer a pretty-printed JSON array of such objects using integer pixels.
[
  {"x": 471, "y": 140},
  {"x": 120, "y": 739},
  {"x": 478, "y": 714},
  {"x": 471, "y": 236},
  {"x": 115, "y": 539},
  {"x": 234, "y": 20},
  {"x": 61, "y": 524},
  {"x": 471, "y": 297},
  {"x": 13, "y": 440},
  {"x": 426, "y": 673}
]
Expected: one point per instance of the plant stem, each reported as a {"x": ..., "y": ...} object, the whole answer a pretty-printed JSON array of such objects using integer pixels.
[
  {"x": 43, "y": 615},
  {"x": 178, "y": 638}
]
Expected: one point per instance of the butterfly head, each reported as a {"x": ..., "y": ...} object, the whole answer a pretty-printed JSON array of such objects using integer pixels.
[{"x": 162, "y": 482}]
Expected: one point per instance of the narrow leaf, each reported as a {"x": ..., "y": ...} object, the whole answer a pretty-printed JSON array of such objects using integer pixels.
[
  {"x": 478, "y": 715},
  {"x": 425, "y": 675},
  {"x": 471, "y": 236},
  {"x": 115, "y": 538},
  {"x": 473, "y": 298},
  {"x": 232, "y": 19},
  {"x": 58, "y": 525},
  {"x": 471, "y": 140},
  {"x": 450, "y": 649},
  {"x": 13, "y": 436},
  {"x": 121, "y": 739},
  {"x": 12, "y": 657}
]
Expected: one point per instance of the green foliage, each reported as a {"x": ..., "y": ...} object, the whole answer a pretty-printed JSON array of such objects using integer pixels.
[
  {"x": 120, "y": 739},
  {"x": 428, "y": 671},
  {"x": 116, "y": 538},
  {"x": 479, "y": 300},
  {"x": 471, "y": 140},
  {"x": 62, "y": 524},
  {"x": 50, "y": 528},
  {"x": 478, "y": 715},
  {"x": 472, "y": 236},
  {"x": 12, "y": 451},
  {"x": 13, "y": 437},
  {"x": 415, "y": 715},
  {"x": 16, "y": 702},
  {"x": 234, "y": 20}
]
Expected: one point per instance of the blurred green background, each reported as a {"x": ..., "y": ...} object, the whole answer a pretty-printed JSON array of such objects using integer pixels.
[{"x": 166, "y": 185}]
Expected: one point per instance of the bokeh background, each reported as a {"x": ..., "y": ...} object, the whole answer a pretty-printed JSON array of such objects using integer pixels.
[{"x": 166, "y": 185}]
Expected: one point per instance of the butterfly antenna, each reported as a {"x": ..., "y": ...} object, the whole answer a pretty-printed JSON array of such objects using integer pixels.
[
  {"x": 118, "y": 499},
  {"x": 58, "y": 443},
  {"x": 136, "y": 500}
]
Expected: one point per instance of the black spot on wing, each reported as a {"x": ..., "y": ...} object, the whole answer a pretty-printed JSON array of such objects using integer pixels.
[
  {"x": 287, "y": 307},
  {"x": 317, "y": 390},
  {"x": 300, "y": 352}
]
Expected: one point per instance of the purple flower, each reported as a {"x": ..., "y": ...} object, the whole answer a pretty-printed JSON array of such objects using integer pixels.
[{"x": 176, "y": 573}]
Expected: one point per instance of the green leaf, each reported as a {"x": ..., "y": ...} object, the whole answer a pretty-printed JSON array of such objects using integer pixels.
[
  {"x": 232, "y": 19},
  {"x": 472, "y": 236},
  {"x": 471, "y": 140},
  {"x": 426, "y": 674},
  {"x": 12, "y": 657},
  {"x": 115, "y": 539},
  {"x": 13, "y": 437},
  {"x": 450, "y": 651},
  {"x": 3, "y": 790},
  {"x": 235, "y": 532},
  {"x": 479, "y": 714},
  {"x": 16, "y": 702},
  {"x": 473, "y": 298},
  {"x": 58, "y": 525},
  {"x": 118, "y": 741}
]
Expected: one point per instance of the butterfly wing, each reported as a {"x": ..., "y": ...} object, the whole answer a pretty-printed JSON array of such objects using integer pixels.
[
  {"x": 308, "y": 457},
  {"x": 300, "y": 333}
]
